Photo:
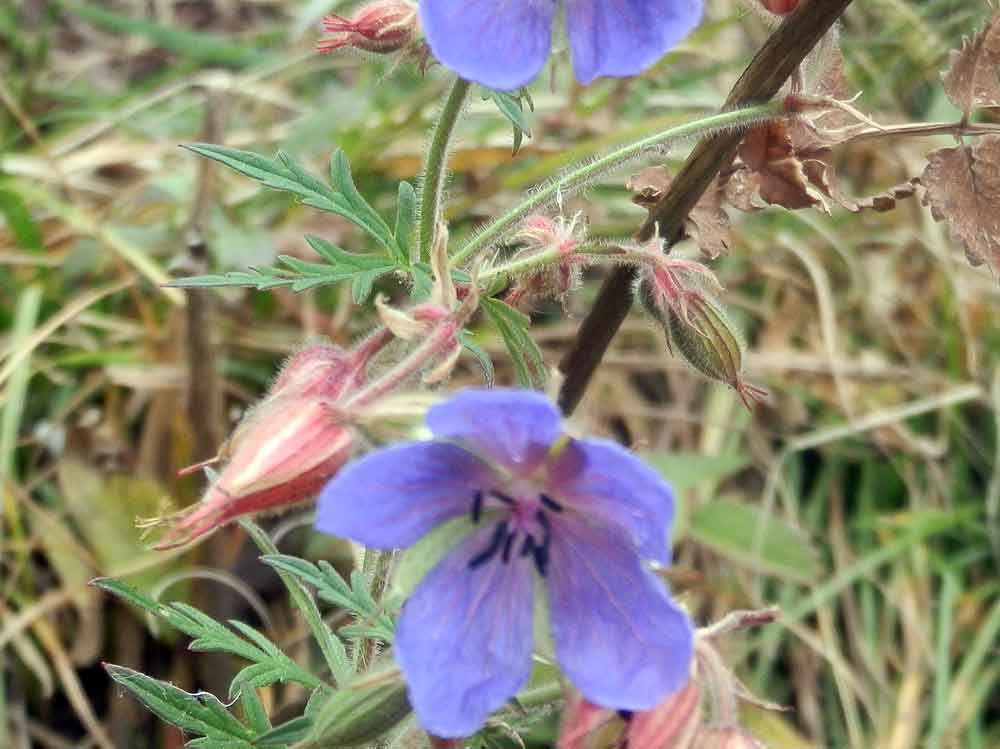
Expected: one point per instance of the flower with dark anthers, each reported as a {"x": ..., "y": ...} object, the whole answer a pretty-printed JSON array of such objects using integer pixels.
[{"x": 578, "y": 516}]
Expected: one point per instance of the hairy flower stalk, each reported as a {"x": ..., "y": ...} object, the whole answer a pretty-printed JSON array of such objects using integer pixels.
[
  {"x": 580, "y": 175},
  {"x": 434, "y": 169}
]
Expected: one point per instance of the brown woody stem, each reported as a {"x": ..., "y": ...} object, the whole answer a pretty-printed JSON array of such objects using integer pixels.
[{"x": 780, "y": 56}]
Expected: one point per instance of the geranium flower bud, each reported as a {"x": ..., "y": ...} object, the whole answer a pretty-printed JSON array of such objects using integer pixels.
[
  {"x": 381, "y": 26},
  {"x": 286, "y": 447},
  {"x": 561, "y": 236},
  {"x": 704, "y": 336}
]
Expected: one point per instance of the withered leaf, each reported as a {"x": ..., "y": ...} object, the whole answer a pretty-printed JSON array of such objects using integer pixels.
[
  {"x": 771, "y": 172},
  {"x": 707, "y": 224},
  {"x": 971, "y": 80},
  {"x": 963, "y": 189}
]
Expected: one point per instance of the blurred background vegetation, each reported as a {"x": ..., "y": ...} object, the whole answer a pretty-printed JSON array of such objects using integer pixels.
[{"x": 862, "y": 499}]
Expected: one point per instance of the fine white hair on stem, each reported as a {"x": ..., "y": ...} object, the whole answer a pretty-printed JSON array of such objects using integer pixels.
[{"x": 580, "y": 175}]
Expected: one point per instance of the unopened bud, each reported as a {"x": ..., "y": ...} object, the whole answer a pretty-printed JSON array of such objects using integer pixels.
[
  {"x": 706, "y": 338},
  {"x": 359, "y": 715},
  {"x": 669, "y": 725},
  {"x": 561, "y": 237},
  {"x": 382, "y": 26}
]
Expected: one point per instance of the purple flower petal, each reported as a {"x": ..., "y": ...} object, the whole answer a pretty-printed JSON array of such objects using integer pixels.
[
  {"x": 613, "y": 487},
  {"x": 390, "y": 498},
  {"x": 500, "y": 44},
  {"x": 513, "y": 427},
  {"x": 624, "y": 37},
  {"x": 464, "y": 638},
  {"x": 618, "y": 637}
]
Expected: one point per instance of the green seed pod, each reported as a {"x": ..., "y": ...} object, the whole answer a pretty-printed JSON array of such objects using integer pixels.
[
  {"x": 359, "y": 715},
  {"x": 708, "y": 341}
]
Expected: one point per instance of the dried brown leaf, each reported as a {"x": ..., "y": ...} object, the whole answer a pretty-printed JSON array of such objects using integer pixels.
[
  {"x": 707, "y": 224},
  {"x": 971, "y": 80},
  {"x": 771, "y": 172},
  {"x": 963, "y": 189}
]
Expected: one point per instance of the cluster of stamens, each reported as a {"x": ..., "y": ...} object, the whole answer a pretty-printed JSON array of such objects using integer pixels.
[{"x": 504, "y": 537}]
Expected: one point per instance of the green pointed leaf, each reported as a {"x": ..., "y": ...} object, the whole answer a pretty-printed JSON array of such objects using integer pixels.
[
  {"x": 201, "y": 713},
  {"x": 285, "y": 174},
  {"x": 127, "y": 593},
  {"x": 254, "y": 712},
  {"x": 511, "y": 107},
  {"x": 513, "y": 326},
  {"x": 272, "y": 173},
  {"x": 332, "y": 588},
  {"x": 366, "y": 216},
  {"x": 261, "y": 279}
]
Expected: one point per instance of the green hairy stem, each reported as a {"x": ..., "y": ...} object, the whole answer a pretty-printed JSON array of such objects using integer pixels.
[
  {"x": 581, "y": 174},
  {"x": 434, "y": 169}
]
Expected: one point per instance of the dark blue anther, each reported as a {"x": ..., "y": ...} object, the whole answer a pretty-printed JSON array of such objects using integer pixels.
[
  {"x": 477, "y": 507},
  {"x": 507, "y": 500},
  {"x": 496, "y": 541},
  {"x": 528, "y": 547},
  {"x": 543, "y": 520},
  {"x": 542, "y": 559},
  {"x": 505, "y": 556},
  {"x": 550, "y": 503}
]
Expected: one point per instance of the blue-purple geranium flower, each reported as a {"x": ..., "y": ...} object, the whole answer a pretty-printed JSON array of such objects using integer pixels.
[
  {"x": 503, "y": 44},
  {"x": 581, "y": 516}
]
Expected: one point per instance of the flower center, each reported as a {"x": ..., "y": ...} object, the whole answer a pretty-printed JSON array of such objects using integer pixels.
[{"x": 527, "y": 520}]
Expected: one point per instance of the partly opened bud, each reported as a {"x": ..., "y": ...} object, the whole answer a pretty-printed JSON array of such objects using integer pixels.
[
  {"x": 286, "y": 447},
  {"x": 282, "y": 454},
  {"x": 382, "y": 26}
]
